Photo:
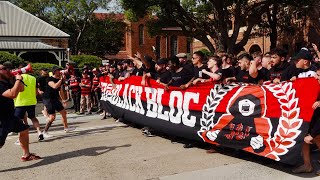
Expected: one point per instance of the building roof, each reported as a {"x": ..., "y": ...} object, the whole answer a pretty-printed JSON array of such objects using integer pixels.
[
  {"x": 13, "y": 45},
  {"x": 16, "y": 22}
]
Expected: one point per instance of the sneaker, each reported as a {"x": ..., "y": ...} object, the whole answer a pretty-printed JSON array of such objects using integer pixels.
[
  {"x": 12, "y": 134},
  {"x": 17, "y": 143},
  {"x": 69, "y": 129},
  {"x": 46, "y": 135},
  {"x": 81, "y": 113},
  {"x": 40, "y": 137},
  {"x": 88, "y": 113},
  {"x": 148, "y": 134}
]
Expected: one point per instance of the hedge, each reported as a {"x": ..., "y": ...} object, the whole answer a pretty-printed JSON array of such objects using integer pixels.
[
  {"x": 36, "y": 67},
  {"x": 81, "y": 60},
  {"x": 6, "y": 56}
]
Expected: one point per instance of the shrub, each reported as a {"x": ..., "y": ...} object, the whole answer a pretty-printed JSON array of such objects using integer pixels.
[
  {"x": 36, "y": 67},
  {"x": 206, "y": 52},
  {"x": 81, "y": 60},
  {"x": 6, "y": 56}
]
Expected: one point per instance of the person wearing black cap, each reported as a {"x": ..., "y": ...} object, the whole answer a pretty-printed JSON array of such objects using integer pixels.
[
  {"x": 51, "y": 99},
  {"x": 248, "y": 72},
  {"x": 303, "y": 64}
]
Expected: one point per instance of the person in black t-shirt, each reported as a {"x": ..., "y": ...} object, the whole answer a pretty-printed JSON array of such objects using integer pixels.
[
  {"x": 248, "y": 71},
  {"x": 51, "y": 99},
  {"x": 279, "y": 66},
  {"x": 8, "y": 122},
  {"x": 263, "y": 72},
  {"x": 214, "y": 64},
  {"x": 304, "y": 67},
  {"x": 42, "y": 82},
  {"x": 197, "y": 59},
  {"x": 180, "y": 76},
  {"x": 163, "y": 76}
]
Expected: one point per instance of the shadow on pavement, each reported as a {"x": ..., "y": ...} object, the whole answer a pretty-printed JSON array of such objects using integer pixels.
[
  {"x": 80, "y": 133},
  {"x": 94, "y": 151}
]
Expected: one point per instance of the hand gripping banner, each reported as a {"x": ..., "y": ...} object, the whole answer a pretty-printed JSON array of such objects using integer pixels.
[{"x": 269, "y": 120}]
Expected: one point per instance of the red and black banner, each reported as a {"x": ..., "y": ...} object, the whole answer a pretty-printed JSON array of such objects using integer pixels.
[{"x": 269, "y": 120}]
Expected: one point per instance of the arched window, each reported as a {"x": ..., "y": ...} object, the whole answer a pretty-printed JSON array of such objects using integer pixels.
[
  {"x": 141, "y": 34},
  {"x": 158, "y": 46},
  {"x": 174, "y": 45}
]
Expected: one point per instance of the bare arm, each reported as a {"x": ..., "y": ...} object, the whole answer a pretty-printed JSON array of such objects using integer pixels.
[
  {"x": 55, "y": 85},
  {"x": 214, "y": 76}
]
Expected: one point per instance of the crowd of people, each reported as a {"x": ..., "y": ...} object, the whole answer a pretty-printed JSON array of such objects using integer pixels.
[{"x": 82, "y": 86}]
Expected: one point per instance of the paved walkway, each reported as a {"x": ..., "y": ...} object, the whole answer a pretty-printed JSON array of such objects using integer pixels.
[{"x": 104, "y": 149}]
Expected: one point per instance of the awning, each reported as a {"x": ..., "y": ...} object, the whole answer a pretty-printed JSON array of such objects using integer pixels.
[{"x": 27, "y": 46}]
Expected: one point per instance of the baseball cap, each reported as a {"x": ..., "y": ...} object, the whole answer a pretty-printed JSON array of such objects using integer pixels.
[
  {"x": 305, "y": 54},
  {"x": 44, "y": 69},
  {"x": 148, "y": 58},
  {"x": 56, "y": 68}
]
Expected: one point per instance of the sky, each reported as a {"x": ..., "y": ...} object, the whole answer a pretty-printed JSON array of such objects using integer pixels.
[{"x": 114, "y": 6}]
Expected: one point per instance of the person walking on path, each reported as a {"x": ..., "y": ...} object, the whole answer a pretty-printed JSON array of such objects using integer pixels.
[
  {"x": 8, "y": 122},
  {"x": 26, "y": 102},
  {"x": 51, "y": 99}
]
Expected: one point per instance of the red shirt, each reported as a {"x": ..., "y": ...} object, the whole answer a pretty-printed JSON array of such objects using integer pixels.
[{"x": 86, "y": 88}]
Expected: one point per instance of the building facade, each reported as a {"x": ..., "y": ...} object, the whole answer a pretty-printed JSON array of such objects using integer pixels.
[{"x": 137, "y": 39}]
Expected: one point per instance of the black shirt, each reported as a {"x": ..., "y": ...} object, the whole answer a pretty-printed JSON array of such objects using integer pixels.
[
  {"x": 198, "y": 72},
  {"x": 263, "y": 73},
  {"x": 180, "y": 78},
  {"x": 164, "y": 76},
  {"x": 7, "y": 104},
  {"x": 137, "y": 72},
  {"x": 42, "y": 83},
  {"x": 51, "y": 93},
  {"x": 228, "y": 72},
  {"x": 243, "y": 76},
  {"x": 281, "y": 72}
]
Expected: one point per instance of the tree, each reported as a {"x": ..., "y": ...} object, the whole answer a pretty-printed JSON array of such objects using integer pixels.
[
  {"x": 76, "y": 17},
  {"x": 211, "y": 19},
  {"x": 107, "y": 36},
  {"x": 205, "y": 19},
  {"x": 77, "y": 13}
]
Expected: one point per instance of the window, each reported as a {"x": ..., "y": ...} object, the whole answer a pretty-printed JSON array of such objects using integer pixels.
[
  {"x": 174, "y": 45},
  {"x": 158, "y": 46},
  {"x": 141, "y": 34},
  {"x": 189, "y": 45}
]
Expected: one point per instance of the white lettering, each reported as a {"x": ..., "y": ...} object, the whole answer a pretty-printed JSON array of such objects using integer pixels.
[
  {"x": 151, "y": 101},
  {"x": 176, "y": 95},
  {"x": 188, "y": 96}
]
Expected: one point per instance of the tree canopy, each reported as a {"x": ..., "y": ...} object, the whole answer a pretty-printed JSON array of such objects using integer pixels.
[
  {"x": 220, "y": 20},
  {"x": 76, "y": 17}
]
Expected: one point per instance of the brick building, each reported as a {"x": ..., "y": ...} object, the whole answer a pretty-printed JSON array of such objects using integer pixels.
[
  {"x": 303, "y": 33},
  {"x": 136, "y": 38}
]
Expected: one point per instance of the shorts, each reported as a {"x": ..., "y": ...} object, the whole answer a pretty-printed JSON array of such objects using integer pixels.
[
  {"x": 53, "y": 105},
  {"x": 11, "y": 125},
  {"x": 21, "y": 111}
]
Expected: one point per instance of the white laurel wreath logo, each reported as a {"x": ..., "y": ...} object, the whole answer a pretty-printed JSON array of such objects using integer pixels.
[
  {"x": 209, "y": 108},
  {"x": 289, "y": 122}
]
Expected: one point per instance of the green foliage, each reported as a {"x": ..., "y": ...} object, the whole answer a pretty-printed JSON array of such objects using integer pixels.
[
  {"x": 6, "y": 56},
  {"x": 81, "y": 60},
  {"x": 36, "y": 67},
  {"x": 206, "y": 52},
  {"x": 107, "y": 34}
]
